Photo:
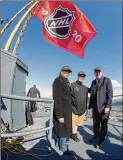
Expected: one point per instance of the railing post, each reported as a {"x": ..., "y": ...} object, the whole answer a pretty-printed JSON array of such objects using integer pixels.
[{"x": 51, "y": 124}]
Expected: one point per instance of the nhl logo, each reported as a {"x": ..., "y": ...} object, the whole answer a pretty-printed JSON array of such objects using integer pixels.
[{"x": 59, "y": 23}]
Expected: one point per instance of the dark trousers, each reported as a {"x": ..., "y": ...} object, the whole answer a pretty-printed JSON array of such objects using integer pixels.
[
  {"x": 32, "y": 106},
  {"x": 100, "y": 124}
]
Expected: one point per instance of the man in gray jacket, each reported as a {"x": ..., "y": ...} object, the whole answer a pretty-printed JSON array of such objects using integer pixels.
[
  {"x": 100, "y": 101},
  {"x": 33, "y": 93},
  {"x": 80, "y": 92}
]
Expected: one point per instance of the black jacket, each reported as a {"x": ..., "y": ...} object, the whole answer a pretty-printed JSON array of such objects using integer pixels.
[
  {"x": 62, "y": 107},
  {"x": 101, "y": 94},
  {"x": 80, "y": 92},
  {"x": 33, "y": 92}
]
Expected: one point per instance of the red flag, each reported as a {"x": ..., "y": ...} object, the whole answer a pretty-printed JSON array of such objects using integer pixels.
[{"x": 64, "y": 25}]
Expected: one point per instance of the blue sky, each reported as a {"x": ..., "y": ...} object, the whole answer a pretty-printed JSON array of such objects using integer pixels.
[{"x": 44, "y": 60}]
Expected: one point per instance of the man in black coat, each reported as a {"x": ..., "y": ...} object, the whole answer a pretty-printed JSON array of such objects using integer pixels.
[
  {"x": 80, "y": 92},
  {"x": 62, "y": 108},
  {"x": 100, "y": 102}
]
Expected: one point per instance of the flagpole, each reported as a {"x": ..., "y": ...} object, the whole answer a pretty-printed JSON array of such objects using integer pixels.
[
  {"x": 13, "y": 18},
  {"x": 21, "y": 34},
  {"x": 7, "y": 46}
]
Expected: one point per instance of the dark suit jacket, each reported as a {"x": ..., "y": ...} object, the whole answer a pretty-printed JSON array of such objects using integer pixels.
[
  {"x": 102, "y": 96},
  {"x": 62, "y": 107}
]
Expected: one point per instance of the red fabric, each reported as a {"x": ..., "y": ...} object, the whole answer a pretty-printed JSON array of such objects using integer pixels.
[{"x": 73, "y": 29}]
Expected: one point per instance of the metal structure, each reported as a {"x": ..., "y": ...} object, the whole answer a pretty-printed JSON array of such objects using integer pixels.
[
  {"x": 8, "y": 44},
  {"x": 29, "y": 8},
  {"x": 13, "y": 81},
  {"x": 14, "y": 69},
  {"x": 21, "y": 34},
  {"x": 49, "y": 128},
  {"x": 14, "y": 17}
]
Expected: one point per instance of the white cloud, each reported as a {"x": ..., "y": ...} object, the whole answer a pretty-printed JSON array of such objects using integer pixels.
[
  {"x": 116, "y": 84},
  {"x": 117, "y": 92},
  {"x": 117, "y": 87}
]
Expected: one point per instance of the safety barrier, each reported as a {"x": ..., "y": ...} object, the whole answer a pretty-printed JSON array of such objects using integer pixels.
[{"x": 14, "y": 97}]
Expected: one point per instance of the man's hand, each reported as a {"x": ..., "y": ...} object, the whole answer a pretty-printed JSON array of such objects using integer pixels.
[
  {"x": 61, "y": 120},
  {"x": 106, "y": 110}
]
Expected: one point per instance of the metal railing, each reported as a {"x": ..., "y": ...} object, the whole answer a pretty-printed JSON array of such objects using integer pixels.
[
  {"x": 45, "y": 100},
  {"x": 14, "y": 97}
]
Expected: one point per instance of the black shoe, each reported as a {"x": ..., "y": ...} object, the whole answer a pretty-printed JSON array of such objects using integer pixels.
[
  {"x": 100, "y": 145},
  {"x": 95, "y": 138},
  {"x": 67, "y": 152},
  {"x": 75, "y": 138}
]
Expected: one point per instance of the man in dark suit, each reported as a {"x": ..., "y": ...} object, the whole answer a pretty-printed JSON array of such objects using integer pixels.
[
  {"x": 100, "y": 102},
  {"x": 62, "y": 109}
]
